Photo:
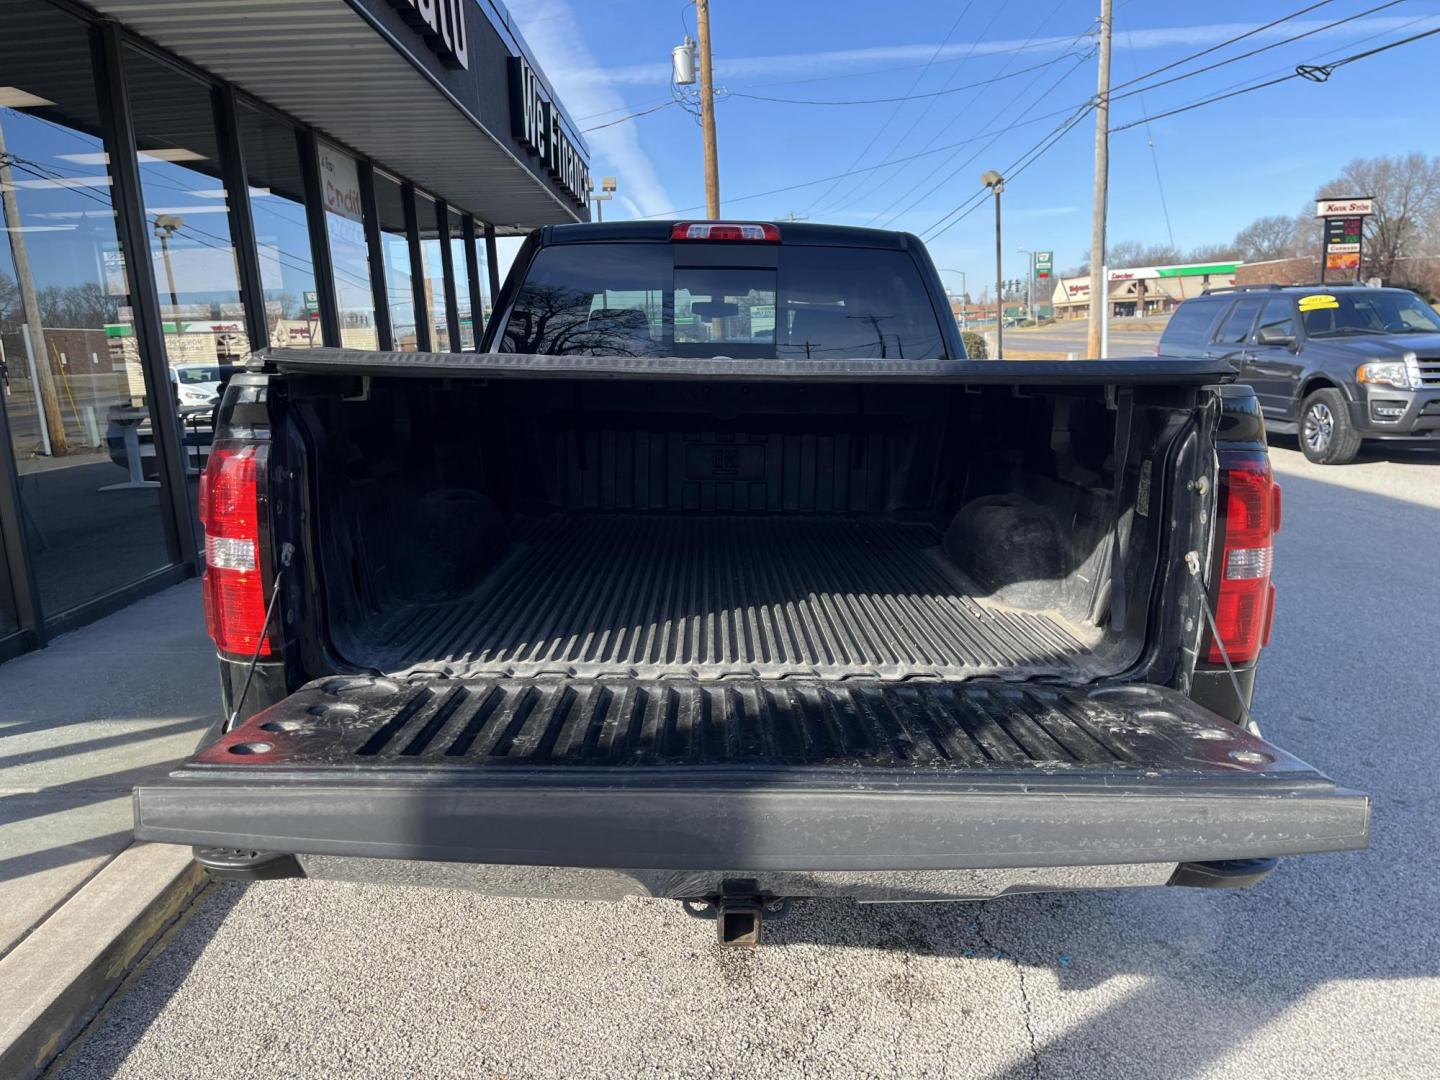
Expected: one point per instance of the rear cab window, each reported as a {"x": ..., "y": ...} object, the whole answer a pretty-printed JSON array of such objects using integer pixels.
[{"x": 813, "y": 302}]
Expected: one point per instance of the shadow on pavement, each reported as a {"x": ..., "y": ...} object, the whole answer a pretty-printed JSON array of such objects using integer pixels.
[{"x": 99, "y": 1051}]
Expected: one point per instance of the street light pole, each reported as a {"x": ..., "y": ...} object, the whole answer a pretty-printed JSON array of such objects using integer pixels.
[
  {"x": 166, "y": 225},
  {"x": 964, "y": 294},
  {"x": 607, "y": 192},
  {"x": 1029, "y": 284},
  {"x": 707, "y": 110},
  {"x": 996, "y": 183}
]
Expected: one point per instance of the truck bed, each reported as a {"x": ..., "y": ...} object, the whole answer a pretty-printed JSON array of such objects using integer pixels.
[{"x": 660, "y": 596}]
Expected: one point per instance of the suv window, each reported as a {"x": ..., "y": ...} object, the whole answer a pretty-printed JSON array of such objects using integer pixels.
[
  {"x": 1188, "y": 326},
  {"x": 632, "y": 300},
  {"x": 1357, "y": 311},
  {"x": 1279, "y": 314},
  {"x": 1236, "y": 327}
]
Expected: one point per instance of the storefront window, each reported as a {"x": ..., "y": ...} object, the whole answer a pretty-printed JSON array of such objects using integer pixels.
[
  {"x": 187, "y": 217},
  {"x": 72, "y": 386},
  {"x": 434, "y": 264},
  {"x": 395, "y": 252},
  {"x": 349, "y": 254},
  {"x": 277, "y": 206},
  {"x": 462, "y": 282}
]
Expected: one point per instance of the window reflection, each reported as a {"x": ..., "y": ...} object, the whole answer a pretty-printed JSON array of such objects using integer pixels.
[
  {"x": 395, "y": 252},
  {"x": 70, "y": 380},
  {"x": 433, "y": 263},
  {"x": 349, "y": 255},
  {"x": 282, "y": 237},
  {"x": 462, "y": 282}
]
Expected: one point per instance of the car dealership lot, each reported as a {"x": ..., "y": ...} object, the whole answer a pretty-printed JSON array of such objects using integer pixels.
[{"x": 1330, "y": 967}]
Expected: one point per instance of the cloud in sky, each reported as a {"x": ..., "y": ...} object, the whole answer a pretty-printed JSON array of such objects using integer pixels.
[
  {"x": 800, "y": 65},
  {"x": 559, "y": 46}
]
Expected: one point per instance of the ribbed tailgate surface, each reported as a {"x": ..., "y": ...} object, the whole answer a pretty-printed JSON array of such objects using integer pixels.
[
  {"x": 651, "y": 596},
  {"x": 363, "y": 722}
]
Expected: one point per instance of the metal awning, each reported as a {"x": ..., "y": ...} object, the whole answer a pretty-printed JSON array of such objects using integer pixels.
[{"x": 323, "y": 63}]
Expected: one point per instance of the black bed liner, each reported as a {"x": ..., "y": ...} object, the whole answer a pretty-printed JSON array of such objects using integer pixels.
[
  {"x": 748, "y": 774},
  {"x": 1137, "y": 371},
  {"x": 670, "y": 595}
]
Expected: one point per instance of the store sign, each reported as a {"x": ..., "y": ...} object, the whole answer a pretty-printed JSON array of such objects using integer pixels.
[
  {"x": 443, "y": 24},
  {"x": 1344, "y": 234},
  {"x": 1344, "y": 207},
  {"x": 1044, "y": 265},
  {"x": 535, "y": 121},
  {"x": 339, "y": 182}
]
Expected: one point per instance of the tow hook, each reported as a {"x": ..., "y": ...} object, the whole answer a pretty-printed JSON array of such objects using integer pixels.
[{"x": 739, "y": 919}]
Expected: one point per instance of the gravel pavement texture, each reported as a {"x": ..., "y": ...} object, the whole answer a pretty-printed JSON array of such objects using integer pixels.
[{"x": 1331, "y": 967}]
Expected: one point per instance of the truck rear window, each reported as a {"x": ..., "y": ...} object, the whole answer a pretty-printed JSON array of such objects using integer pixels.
[{"x": 820, "y": 303}]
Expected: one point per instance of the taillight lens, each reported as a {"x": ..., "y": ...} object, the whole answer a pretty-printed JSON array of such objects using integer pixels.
[
  {"x": 725, "y": 230},
  {"x": 1245, "y": 599},
  {"x": 233, "y": 511}
]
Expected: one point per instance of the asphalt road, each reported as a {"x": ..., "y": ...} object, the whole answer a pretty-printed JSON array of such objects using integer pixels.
[
  {"x": 1331, "y": 967},
  {"x": 1128, "y": 337}
]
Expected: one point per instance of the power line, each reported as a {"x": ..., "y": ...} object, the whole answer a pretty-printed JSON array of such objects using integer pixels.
[
  {"x": 976, "y": 138},
  {"x": 1073, "y": 41},
  {"x": 1224, "y": 44},
  {"x": 907, "y": 97},
  {"x": 1154, "y": 157},
  {"x": 1000, "y": 131},
  {"x": 915, "y": 83},
  {"x": 1311, "y": 72},
  {"x": 632, "y": 116},
  {"x": 863, "y": 169},
  {"x": 1253, "y": 52},
  {"x": 1018, "y": 166},
  {"x": 864, "y": 189}
]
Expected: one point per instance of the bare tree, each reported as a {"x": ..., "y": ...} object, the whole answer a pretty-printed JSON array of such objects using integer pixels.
[
  {"x": 1274, "y": 236},
  {"x": 1406, "y": 221}
]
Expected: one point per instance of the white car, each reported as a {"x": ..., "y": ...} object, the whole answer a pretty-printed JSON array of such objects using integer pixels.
[{"x": 196, "y": 384}]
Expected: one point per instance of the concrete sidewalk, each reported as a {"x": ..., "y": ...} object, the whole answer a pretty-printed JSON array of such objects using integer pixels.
[{"x": 81, "y": 723}]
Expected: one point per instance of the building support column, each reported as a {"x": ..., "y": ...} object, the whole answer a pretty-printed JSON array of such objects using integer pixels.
[{"x": 127, "y": 196}]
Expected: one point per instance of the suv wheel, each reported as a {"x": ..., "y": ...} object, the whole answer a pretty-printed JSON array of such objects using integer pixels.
[{"x": 1326, "y": 435}]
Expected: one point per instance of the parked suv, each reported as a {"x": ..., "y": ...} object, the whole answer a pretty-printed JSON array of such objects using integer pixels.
[{"x": 1333, "y": 364}]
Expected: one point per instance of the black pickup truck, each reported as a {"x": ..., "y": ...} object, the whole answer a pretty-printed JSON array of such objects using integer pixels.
[{"x": 721, "y": 574}]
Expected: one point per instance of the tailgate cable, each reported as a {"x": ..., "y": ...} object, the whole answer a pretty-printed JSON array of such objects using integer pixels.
[
  {"x": 1192, "y": 560},
  {"x": 287, "y": 552}
]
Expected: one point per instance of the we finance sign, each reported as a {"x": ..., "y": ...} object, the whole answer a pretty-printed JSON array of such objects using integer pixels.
[{"x": 535, "y": 122}]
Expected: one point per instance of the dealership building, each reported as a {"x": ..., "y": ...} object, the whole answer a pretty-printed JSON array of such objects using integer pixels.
[
  {"x": 1143, "y": 290},
  {"x": 187, "y": 181}
]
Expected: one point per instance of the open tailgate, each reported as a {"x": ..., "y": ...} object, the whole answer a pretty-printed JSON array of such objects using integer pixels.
[{"x": 773, "y": 775}]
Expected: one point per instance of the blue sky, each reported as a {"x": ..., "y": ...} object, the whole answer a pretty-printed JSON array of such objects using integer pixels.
[{"x": 1220, "y": 166}]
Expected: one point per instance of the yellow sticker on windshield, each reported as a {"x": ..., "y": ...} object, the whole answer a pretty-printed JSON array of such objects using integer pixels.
[{"x": 1318, "y": 302}]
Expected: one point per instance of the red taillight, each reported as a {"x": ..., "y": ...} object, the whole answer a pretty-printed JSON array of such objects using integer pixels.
[
  {"x": 725, "y": 230},
  {"x": 1245, "y": 600},
  {"x": 233, "y": 513}
]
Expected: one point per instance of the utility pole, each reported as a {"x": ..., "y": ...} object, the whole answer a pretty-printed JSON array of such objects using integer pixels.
[
  {"x": 707, "y": 110},
  {"x": 1098, "y": 292},
  {"x": 996, "y": 183},
  {"x": 43, "y": 383}
]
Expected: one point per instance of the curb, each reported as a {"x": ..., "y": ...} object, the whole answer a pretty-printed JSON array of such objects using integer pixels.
[{"x": 55, "y": 981}]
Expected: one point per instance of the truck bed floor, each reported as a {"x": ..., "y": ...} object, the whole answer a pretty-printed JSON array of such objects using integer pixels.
[{"x": 649, "y": 596}]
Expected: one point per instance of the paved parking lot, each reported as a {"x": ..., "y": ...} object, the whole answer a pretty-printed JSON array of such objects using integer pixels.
[{"x": 1329, "y": 968}]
